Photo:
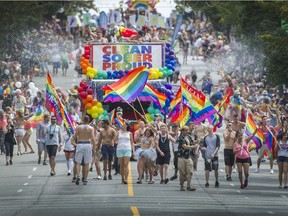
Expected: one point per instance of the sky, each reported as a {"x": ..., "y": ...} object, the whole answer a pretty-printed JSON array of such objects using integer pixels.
[{"x": 163, "y": 6}]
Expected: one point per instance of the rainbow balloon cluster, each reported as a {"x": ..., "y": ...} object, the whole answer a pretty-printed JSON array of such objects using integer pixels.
[
  {"x": 124, "y": 32},
  {"x": 93, "y": 107}
]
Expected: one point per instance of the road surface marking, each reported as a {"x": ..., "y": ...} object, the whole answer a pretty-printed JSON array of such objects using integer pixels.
[
  {"x": 26, "y": 183},
  {"x": 130, "y": 184},
  {"x": 232, "y": 184},
  {"x": 30, "y": 176},
  {"x": 270, "y": 212},
  {"x": 238, "y": 191},
  {"x": 283, "y": 196},
  {"x": 135, "y": 211},
  {"x": 19, "y": 191},
  {"x": 34, "y": 169}
]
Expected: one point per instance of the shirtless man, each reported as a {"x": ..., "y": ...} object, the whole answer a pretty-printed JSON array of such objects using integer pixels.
[
  {"x": 84, "y": 134},
  {"x": 106, "y": 138},
  {"x": 229, "y": 159}
]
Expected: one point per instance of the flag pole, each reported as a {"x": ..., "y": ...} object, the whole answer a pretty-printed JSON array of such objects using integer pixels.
[{"x": 141, "y": 106}]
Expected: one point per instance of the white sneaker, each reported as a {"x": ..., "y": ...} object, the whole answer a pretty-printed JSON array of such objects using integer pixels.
[
  {"x": 147, "y": 178},
  {"x": 271, "y": 171},
  {"x": 98, "y": 178},
  {"x": 256, "y": 170},
  {"x": 234, "y": 170}
]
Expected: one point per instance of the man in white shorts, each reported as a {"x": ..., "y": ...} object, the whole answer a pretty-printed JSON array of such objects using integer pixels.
[{"x": 84, "y": 134}]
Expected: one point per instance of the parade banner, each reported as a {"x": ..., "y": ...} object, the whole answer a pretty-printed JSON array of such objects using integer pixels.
[
  {"x": 110, "y": 57},
  {"x": 103, "y": 20},
  {"x": 141, "y": 21},
  {"x": 177, "y": 28}
]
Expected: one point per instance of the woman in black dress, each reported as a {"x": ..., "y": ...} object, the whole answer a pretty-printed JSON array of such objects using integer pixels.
[{"x": 9, "y": 141}]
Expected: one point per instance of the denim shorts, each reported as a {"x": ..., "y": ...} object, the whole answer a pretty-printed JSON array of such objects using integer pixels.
[
  {"x": 281, "y": 159},
  {"x": 123, "y": 153}
]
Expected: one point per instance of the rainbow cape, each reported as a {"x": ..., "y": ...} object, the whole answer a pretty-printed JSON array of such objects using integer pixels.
[
  {"x": 129, "y": 86},
  {"x": 55, "y": 105},
  {"x": 36, "y": 118},
  {"x": 249, "y": 130}
]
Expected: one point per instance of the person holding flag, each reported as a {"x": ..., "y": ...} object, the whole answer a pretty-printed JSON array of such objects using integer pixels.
[
  {"x": 265, "y": 128},
  {"x": 242, "y": 156}
]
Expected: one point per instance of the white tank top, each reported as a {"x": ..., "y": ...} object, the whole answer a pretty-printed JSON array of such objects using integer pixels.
[{"x": 124, "y": 141}]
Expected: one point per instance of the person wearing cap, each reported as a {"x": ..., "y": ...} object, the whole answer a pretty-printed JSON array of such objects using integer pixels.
[
  {"x": 185, "y": 163},
  {"x": 19, "y": 101}
]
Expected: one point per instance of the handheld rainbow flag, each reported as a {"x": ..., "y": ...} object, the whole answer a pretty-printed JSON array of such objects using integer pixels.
[
  {"x": 192, "y": 95},
  {"x": 249, "y": 130},
  {"x": 270, "y": 142},
  {"x": 183, "y": 116},
  {"x": 55, "y": 105},
  {"x": 129, "y": 86},
  {"x": 119, "y": 121},
  {"x": 257, "y": 117},
  {"x": 111, "y": 115},
  {"x": 36, "y": 118},
  {"x": 223, "y": 104}
]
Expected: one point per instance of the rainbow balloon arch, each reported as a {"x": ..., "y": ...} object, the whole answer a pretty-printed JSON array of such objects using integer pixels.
[{"x": 104, "y": 64}]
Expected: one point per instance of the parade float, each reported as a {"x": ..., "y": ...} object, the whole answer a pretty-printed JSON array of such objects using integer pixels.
[{"x": 105, "y": 64}]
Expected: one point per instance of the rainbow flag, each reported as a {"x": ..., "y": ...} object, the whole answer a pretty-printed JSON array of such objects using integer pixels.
[
  {"x": 177, "y": 99},
  {"x": 270, "y": 142},
  {"x": 151, "y": 94},
  {"x": 192, "y": 95},
  {"x": 257, "y": 117},
  {"x": 249, "y": 130},
  {"x": 55, "y": 105},
  {"x": 119, "y": 121},
  {"x": 201, "y": 113},
  {"x": 36, "y": 118},
  {"x": 129, "y": 86},
  {"x": 182, "y": 117},
  {"x": 111, "y": 115},
  {"x": 223, "y": 104}
]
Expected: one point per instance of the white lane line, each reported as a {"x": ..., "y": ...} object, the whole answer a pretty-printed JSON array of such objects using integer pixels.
[
  {"x": 34, "y": 169},
  {"x": 19, "y": 191},
  {"x": 238, "y": 191},
  {"x": 30, "y": 176},
  {"x": 270, "y": 212},
  {"x": 246, "y": 197},
  {"x": 25, "y": 184},
  {"x": 232, "y": 184},
  {"x": 283, "y": 196}
]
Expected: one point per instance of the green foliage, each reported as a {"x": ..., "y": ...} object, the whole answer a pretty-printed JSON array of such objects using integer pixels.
[
  {"x": 258, "y": 26},
  {"x": 18, "y": 17}
]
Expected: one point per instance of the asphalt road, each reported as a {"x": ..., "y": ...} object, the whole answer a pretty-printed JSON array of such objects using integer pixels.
[{"x": 26, "y": 189}]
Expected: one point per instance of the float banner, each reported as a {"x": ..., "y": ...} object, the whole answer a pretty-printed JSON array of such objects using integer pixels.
[{"x": 110, "y": 57}]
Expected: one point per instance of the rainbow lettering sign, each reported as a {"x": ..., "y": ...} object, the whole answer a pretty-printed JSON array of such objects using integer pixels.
[{"x": 110, "y": 57}]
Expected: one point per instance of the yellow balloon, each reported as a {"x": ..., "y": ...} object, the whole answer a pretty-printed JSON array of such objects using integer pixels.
[
  {"x": 118, "y": 34},
  {"x": 89, "y": 111},
  {"x": 100, "y": 110},
  {"x": 99, "y": 104},
  {"x": 89, "y": 69},
  {"x": 94, "y": 115},
  {"x": 91, "y": 75},
  {"x": 94, "y": 109},
  {"x": 121, "y": 28}
]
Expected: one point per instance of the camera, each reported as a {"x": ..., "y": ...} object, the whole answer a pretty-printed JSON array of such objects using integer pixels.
[{"x": 51, "y": 136}]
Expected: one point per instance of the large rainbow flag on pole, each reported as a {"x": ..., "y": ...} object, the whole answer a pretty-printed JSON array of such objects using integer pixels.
[
  {"x": 128, "y": 87},
  {"x": 249, "y": 130},
  {"x": 55, "y": 105}
]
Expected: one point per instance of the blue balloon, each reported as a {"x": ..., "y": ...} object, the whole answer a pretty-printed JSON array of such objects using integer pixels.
[
  {"x": 171, "y": 52},
  {"x": 121, "y": 72},
  {"x": 168, "y": 45},
  {"x": 167, "y": 56},
  {"x": 169, "y": 66},
  {"x": 173, "y": 68},
  {"x": 167, "y": 49},
  {"x": 168, "y": 86},
  {"x": 114, "y": 76},
  {"x": 118, "y": 76},
  {"x": 172, "y": 57},
  {"x": 115, "y": 72},
  {"x": 167, "y": 61},
  {"x": 109, "y": 73},
  {"x": 155, "y": 106}
]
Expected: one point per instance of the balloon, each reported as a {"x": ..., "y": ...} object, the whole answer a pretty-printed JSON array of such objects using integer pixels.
[
  {"x": 151, "y": 110},
  {"x": 94, "y": 115},
  {"x": 89, "y": 111},
  {"x": 94, "y": 109},
  {"x": 35, "y": 89},
  {"x": 18, "y": 84},
  {"x": 168, "y": 45},
  {"x": 157, "y": 111},
  {"x": 100, "y": 110},
  {"x": 90, "y": 91},
  {"x": 83, "y": 95},
  {"x": 170, "y": 72},
  {"x": 105, "y": 117},
  {"x": 87, "y": 52},
  {"x": 171, "y": 52},
  {"x": 105, "y": 75},
  {"x": 85, "y": 101},
  {"x": 99, "y": 104},
  {"x": 80, "y": 89},
  {"x": 168, "y": 86},
  {"x": 90, "y": 97},
  {"x": 31, "y": 85},
  {"x": 152, "y": 116},
  {"x": 94, "y": 102},
  {"x": 6, "y": 71},
  {"x": 88, "y": 105},
  {"x": 105, "y": 112},
  {"x": 87, "y": 47}
]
